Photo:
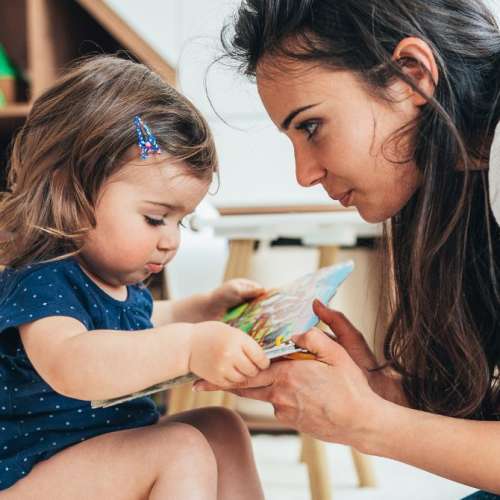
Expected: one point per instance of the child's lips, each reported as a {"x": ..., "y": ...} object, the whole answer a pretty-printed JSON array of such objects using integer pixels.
[{"x": 154, "y": 268}]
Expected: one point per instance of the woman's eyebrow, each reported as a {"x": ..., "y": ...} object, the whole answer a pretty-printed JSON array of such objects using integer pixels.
[{"x": 286, "y": 122}]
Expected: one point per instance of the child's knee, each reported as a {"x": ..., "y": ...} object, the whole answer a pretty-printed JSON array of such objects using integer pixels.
[
  {"x": 224, "y": 422},
  {"x": 189, "y": 446}
]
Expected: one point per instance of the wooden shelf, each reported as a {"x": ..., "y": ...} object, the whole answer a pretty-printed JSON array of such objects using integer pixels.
[{"x": 42, "y": 37}]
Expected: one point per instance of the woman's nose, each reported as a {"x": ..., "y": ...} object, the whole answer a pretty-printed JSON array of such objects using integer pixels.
[{"x": 308, "y": 170}]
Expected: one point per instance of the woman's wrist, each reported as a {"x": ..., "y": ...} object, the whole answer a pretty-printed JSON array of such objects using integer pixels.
[{"x": 376, "y": 432}]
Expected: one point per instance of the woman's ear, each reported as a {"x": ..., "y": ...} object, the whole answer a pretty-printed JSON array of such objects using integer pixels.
[{"x": 418, "y": 62}]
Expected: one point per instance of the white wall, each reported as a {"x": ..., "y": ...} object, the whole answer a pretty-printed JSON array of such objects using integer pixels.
[{"x": 257, "y": 165}]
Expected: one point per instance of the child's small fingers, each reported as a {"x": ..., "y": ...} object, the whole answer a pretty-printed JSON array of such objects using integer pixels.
[
  {"x": 247, "y": 367},
  {"x": 255, "y": 352},
  {"x": 234, "y": 377},
  {"x": 248, "y": 288}
]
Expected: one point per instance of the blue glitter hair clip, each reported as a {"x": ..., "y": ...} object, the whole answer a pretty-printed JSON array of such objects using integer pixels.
[{"x": 145, "y": 139}]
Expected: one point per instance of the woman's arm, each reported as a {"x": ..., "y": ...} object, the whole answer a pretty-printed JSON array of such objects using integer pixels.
[
  {"x": 333, "y": 400},
  {"x": 461, "y": 450}
]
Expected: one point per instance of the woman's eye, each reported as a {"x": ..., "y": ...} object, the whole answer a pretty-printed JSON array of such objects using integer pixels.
[
  {"x": 310, "y": 128},
  {"x": 154, "y": 222}
]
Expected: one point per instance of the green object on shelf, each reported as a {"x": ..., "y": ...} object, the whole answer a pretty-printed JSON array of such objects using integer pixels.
[{"x": 7, "y": 70}]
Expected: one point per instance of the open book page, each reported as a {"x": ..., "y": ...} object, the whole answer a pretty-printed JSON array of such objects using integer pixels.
[{"x": 271, "y": 319}]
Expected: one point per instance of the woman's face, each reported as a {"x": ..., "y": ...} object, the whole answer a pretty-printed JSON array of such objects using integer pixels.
[{"x": 340, "y": 135}]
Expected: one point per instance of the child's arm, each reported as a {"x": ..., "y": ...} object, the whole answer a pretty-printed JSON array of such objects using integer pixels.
[
  {"x": 205, "y": 307},
  {"x": 103, "y": 364}
]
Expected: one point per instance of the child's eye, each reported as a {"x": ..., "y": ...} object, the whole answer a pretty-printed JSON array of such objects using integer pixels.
[
  {"x": 154, "y": 222},
  {"x": 309, "y": 127}
]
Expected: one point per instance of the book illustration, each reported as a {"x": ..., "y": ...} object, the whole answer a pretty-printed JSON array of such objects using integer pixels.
[
  {"x": 271, "y": 319},
  {"x": 278, "y": 314}
]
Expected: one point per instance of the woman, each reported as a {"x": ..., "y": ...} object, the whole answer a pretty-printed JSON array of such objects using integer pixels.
[{"x": 391, "y": 105}]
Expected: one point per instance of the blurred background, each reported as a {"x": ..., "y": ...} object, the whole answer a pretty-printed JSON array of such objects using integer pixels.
[{"x": 258, "y": 222}]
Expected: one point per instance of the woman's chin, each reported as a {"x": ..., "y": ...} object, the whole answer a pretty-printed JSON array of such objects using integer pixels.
[{"x": 372, "y": 216}]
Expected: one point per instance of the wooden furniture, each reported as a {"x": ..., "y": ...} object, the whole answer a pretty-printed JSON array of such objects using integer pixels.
[
  {"x": 42, "y": 36},
  {"x": 326, "y": 227}
]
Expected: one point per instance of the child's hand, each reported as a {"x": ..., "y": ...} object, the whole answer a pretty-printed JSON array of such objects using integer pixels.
[
  {"x": 224, "y": 355},
  {"x": 230, "y": 294}
]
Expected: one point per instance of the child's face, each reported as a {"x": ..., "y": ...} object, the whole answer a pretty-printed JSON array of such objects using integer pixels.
[
  {"x": 138, "y": 215},
  {"x": 340, "y": 132}
]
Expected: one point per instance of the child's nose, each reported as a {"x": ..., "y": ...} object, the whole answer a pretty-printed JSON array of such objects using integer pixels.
[{"x": 169, "y": 240}]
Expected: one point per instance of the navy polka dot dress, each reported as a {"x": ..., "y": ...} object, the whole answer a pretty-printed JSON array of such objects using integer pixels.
[{"x": 35, "y": 421}]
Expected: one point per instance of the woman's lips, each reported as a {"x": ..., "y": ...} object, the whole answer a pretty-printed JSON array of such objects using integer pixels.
[{"x": 346, "y": 200}]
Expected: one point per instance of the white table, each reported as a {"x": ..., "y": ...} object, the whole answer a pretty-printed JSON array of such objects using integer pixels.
[{"x": 314, "y": 225}]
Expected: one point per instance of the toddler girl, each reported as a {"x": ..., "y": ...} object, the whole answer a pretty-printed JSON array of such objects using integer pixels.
[{"x": 101, "y": 175}]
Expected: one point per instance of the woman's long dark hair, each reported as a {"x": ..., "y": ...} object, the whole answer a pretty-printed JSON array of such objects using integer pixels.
[{"x": 443, "y": 246}]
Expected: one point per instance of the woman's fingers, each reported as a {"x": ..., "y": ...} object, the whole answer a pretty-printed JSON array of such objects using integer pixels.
[
  {"x": 322, "y": 346},
  {"x": 347, "y": 335},
  {"x": 260, "y": 393}
]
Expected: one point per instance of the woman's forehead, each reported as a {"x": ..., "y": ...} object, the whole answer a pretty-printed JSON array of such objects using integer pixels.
[{"x": 303, "y": 85}]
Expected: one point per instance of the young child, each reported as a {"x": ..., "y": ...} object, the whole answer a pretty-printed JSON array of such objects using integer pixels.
[{"x": 106, "y": 166}]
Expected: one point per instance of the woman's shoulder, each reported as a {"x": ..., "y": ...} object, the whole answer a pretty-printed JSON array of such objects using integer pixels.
[{"x": 494, "y": 175}]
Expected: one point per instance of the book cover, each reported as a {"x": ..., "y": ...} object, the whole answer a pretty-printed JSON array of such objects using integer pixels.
[{"x": 271, "y": 319}]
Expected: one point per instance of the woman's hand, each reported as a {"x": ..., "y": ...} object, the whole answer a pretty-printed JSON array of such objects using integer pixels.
[
  {"x": 335, "y": 398},
  {"x": 329, "y": 398},
  {"x": 224, "y": 355},
  {"x": 385, "y": 382},
  {"x": 230, "y": 294}
]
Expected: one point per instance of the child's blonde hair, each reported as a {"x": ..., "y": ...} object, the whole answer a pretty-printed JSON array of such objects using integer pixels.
[{"x": 76, "y": 136}]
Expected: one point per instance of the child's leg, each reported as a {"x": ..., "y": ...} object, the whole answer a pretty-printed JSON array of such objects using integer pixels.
[
  {"x": 171, "y": 461},
  {"x": 229, "y": 438}
]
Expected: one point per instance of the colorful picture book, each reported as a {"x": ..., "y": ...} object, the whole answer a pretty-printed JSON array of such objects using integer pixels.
[{"x": 271, "y": 319}]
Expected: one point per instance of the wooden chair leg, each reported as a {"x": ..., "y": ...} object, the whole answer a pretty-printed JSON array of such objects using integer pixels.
[
  {"x": 362, "y": 463},
  {"x": 327, "y": 256},
  {"x": 364, "y": 469},
  {"x": 314, "y": 456},
  {"x": 180, "y": 399}
]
